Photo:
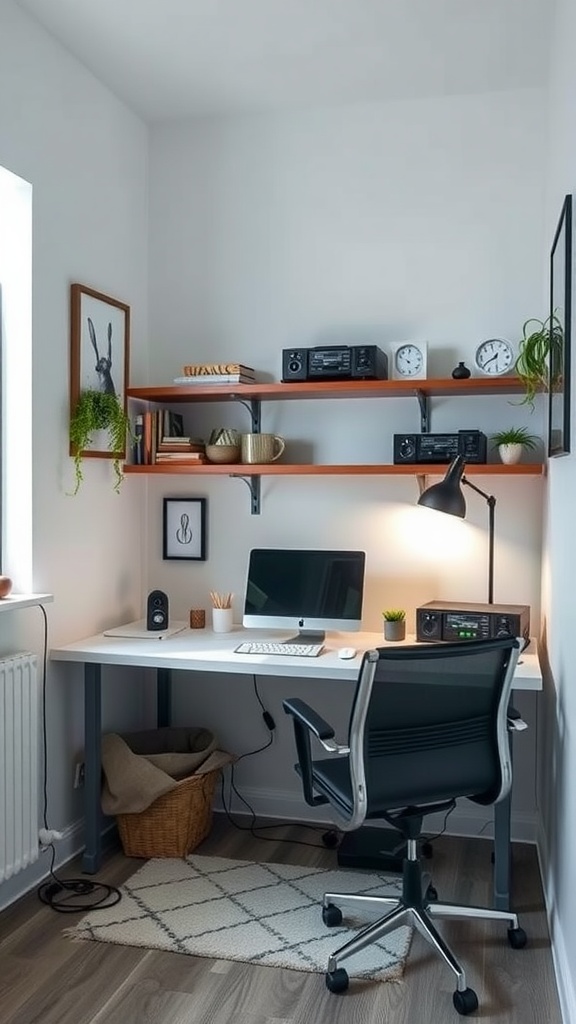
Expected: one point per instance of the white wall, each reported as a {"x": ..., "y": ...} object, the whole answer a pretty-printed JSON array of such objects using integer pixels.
[
  {"x": 86, "y": 158},
  {"x": 557, "y": 756},
  {"x": 379, "y": 222}
]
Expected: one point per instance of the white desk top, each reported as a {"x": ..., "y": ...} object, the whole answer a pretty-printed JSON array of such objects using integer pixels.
[{"x": 201, "y": 650}]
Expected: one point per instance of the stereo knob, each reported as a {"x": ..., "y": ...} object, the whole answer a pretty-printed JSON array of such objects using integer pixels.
[
  {"x": 504, "y": 628},
  {"x": 407, "y": 449}
]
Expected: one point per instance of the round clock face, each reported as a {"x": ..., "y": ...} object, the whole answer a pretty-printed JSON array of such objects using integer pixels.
[
  {"x": 494, "y": 356},
  {"x": 408, "y": 360}
]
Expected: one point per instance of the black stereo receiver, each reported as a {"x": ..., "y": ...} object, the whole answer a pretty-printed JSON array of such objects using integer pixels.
[
  {"x": 334, "y": 362},
  {"x": 439, "y": 620},
  {"x": 423, "y": 448}
]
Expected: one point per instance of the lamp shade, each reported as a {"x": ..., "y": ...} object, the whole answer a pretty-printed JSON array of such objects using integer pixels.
[{"x": 447, "y": 496}]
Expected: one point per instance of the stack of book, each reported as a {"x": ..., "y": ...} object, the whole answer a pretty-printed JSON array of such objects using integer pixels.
[
  {"x": 216, "y": 373},
  {"x": 159, "y": 437}
]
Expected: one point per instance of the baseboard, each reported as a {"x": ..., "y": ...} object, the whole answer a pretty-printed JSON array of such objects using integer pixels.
[
  {"x": 562, "y": 963},
  {"x": 466, "y": 820}
]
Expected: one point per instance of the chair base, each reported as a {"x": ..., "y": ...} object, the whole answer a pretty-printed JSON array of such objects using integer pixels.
[
  {"x": 372, "y": 849},
  {"x": 421, "y": 913}
]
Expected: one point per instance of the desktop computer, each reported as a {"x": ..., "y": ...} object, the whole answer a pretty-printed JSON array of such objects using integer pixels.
[{"x": 308, "y": 590}]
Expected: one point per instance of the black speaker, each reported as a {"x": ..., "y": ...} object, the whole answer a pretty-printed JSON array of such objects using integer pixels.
[
  {"x": 157, "y": 610},
  {"x": 294, "y": 364}
]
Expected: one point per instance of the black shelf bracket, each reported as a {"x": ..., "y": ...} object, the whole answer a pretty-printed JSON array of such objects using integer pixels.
[
  {"x": 254, "y": 409},
  {"x": 253, "y": 483},
  {"x": 423, "y": 402}
]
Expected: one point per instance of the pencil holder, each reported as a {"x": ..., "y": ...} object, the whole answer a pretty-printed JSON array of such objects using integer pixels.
[{"x": 222, "y": 620}]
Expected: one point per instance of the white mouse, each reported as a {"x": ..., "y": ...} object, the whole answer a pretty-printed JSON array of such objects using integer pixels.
[{"x": 347, "y": 652}]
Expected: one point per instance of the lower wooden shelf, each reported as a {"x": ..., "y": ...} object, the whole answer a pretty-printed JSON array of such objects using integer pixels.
[{"x": 285, "y": 469}]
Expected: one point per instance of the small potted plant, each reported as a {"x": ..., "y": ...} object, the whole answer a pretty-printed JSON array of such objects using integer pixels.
[
  {"x": 394, "y": 624},
  {"x": 512, "y": 442},
  {"x": 98, "y": 410}
]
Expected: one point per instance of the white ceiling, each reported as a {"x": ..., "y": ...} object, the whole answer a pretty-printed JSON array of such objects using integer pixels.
[{"x": 182, "y": 58}]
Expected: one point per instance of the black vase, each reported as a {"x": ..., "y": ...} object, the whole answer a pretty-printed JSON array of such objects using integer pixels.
[{"x": 461, "y": 372}]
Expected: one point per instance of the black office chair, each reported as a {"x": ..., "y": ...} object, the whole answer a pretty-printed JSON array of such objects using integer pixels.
[{"x": 428, "y": 725}]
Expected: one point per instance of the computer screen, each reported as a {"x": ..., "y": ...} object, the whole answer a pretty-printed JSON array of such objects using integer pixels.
[{"x": 307, "y": 590}]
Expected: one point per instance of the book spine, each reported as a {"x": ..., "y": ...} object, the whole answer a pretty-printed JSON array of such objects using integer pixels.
[
  {"x": 138, "y": 446},
  {"x": 203, "y": 369}
]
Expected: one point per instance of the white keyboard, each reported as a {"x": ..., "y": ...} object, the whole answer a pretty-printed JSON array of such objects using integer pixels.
[{"x": 293, "y": 650}]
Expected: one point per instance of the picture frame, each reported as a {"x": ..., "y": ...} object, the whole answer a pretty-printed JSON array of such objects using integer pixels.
[
  {"x": 559, "y": 357},
  {"x": 184, "y": 529},
  {"x": 99, "y": 354}
]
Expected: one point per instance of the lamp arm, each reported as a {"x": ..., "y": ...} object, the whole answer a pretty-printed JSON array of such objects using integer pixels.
[{"x": 491, "y": 502}]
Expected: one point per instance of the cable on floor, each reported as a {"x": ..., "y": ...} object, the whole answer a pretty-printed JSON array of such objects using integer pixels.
[{"x": 66, "y": 895}]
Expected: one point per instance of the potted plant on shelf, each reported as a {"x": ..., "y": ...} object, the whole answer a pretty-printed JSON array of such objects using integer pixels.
[
  {"x": 542, "y": 342},
  {"x": 394, "y": 624},
  {"x": 512, "y": 442},
  {"x": 98, "y": 410}
]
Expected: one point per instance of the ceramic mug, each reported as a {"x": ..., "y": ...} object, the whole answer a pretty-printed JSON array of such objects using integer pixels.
[{"x": 261, "y": 448}]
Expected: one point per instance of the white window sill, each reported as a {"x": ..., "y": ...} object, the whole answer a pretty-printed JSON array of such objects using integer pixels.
[{"x": 23, "y": 601}]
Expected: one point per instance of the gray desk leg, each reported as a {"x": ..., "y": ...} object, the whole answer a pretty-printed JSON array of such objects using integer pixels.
[
  {"x": 92, "y": 769},
  {"x": 502, "y": 854},
  {"x": 163, "y": 697}
]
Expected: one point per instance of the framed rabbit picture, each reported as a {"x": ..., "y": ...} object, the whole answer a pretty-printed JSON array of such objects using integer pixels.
[{"x": 99, "y": 364}]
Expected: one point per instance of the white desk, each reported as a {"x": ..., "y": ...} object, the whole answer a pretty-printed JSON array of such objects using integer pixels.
[{"x": 205, "y": 651}]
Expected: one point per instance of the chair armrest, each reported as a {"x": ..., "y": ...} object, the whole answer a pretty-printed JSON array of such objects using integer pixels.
[
  {"x": 514, "y": 722},
  {"x": 308, "y": 723},
  {"x": 314, "y": 722}
]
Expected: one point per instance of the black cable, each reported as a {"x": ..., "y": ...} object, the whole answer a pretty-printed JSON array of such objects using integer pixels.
[
  {"x": 252, "y": 827},
  {"x": 67, "y": 896}
]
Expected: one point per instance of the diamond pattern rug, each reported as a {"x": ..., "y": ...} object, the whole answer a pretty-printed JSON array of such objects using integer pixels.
[{"x": 267, "y": 914}]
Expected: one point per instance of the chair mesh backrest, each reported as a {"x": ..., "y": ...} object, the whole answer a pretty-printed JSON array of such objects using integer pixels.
[{"x": 432, "y": 725}]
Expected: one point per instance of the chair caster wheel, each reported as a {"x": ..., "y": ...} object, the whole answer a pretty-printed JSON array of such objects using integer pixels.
[
  {"x": 517, "y": 938},
  {"x": 431, "y": 894},
  {"x": 427, "y": 850},
  {"x": 331, "y": 915},
  {"x": 330, "y": 839},
  {"x": 337, "y": 981},
  {"x": 465, "y": 1002}
]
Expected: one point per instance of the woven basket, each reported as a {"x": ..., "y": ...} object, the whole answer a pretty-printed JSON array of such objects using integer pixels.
[{"x": 174, "y": 824}]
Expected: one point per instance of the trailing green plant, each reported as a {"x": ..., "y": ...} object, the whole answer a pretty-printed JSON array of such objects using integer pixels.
[
  {"x": 394, "y": 615},
  {"x": 539, "y": 351},
  {"x": 515, "y": 435},
  {"x": 97, "y": 410}
]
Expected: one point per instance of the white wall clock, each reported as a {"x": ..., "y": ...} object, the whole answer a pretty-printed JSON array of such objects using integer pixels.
[
  {"x": 409, "y": 360},
  {"x": 495, "y": 357}
]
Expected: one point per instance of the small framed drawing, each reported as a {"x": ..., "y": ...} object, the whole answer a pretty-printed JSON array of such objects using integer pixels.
[
  {"x": 99, "y": 354},
  {"x": 184, "y": 528},
  {"x": 560, "y": 329}
]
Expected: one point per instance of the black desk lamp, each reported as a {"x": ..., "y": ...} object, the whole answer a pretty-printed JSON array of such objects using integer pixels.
[{"x": 447, "y": 497}]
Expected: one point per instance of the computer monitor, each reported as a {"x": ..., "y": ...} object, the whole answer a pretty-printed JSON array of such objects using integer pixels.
[{"x": 310, "y": 591}]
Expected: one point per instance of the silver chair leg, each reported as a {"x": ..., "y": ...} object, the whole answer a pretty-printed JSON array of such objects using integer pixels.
[
  {"x": 351, "y": 899},
  {"x": 457, "y": 912},
  {"x": 370, "y": 934},
  {"x": 428, "y": 930}
]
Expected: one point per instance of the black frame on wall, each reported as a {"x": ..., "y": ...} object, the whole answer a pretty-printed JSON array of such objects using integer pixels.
[{"x": 559, "y": 363}]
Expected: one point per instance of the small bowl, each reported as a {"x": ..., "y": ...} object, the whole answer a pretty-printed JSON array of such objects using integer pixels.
[{"x": 223, "y": 453}]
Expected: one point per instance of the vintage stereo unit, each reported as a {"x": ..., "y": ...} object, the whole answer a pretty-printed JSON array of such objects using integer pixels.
[
  {"x": 334, "y": 362},
  {"x": 440, "y": 620},
  {"x": 429, "y": 448}
]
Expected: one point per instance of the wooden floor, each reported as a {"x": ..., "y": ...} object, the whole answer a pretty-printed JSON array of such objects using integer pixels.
[{"x": 46, "y": 977}]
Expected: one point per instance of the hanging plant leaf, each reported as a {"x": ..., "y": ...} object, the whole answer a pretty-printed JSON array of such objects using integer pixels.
[
  {"x": 96, "y": 410},
  {"x": 541, "y": 347}
]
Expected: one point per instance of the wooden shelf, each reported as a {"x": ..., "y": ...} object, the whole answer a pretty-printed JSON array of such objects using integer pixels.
[
  {"x": 251, "y": 395},
  {"x": 278, "y": 392},
  {"x": 283, "y": 469}
]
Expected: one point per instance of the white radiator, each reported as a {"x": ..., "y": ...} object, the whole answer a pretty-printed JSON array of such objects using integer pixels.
[{"x": 19, "y": 743}]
